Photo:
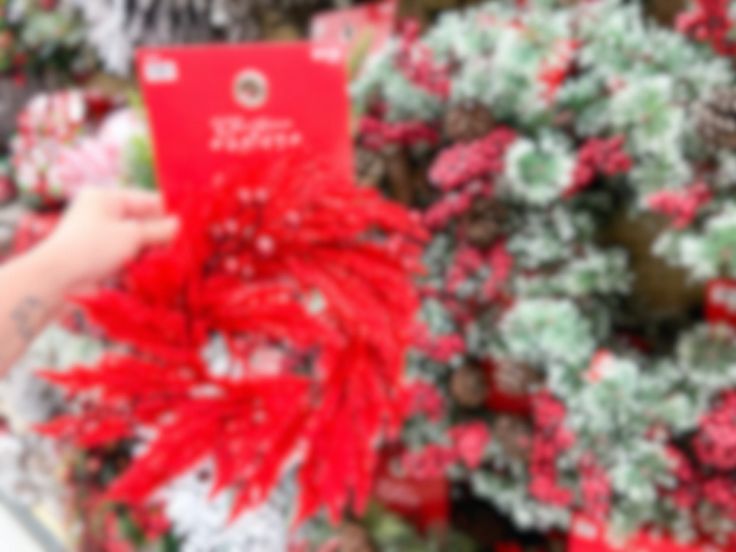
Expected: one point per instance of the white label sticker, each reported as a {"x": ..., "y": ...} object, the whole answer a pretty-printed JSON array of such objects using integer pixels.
[{"x": 158, "y": 71}]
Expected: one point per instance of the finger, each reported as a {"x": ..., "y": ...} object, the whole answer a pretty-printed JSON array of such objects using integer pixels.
[
  {"x": 157, "y": 231},
  {"x": 140, "y": 203}
]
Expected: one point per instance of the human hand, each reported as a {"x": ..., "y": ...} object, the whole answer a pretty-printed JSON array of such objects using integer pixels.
[{"x": 102, "y": 231}]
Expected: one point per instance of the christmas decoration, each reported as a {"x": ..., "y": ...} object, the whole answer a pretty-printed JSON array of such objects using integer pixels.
[
  {"x": 596, "y": 121},
  {"x": 264, "y": 265},
  {"x": 72, "y": 139}
]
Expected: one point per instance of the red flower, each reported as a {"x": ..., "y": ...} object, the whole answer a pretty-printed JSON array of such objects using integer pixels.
[
  {"x": 301, "y": 262},
  {"x": 469, "y": 442}
]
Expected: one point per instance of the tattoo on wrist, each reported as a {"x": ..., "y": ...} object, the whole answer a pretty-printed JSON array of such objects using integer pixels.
[{"x": 27, "y": 316}]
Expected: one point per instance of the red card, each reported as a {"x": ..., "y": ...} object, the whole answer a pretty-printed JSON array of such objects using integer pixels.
[
  {"x": 348, "y": 27},
  {"x": 222, "y": 111},
  {"x": 589, "y": 536},
  {"x": 424, "y": 502},
  {"x": 720, "y": 302}
]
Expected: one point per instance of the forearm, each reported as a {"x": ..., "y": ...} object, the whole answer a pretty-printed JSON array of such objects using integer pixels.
[{"x": 32, "y": 288}]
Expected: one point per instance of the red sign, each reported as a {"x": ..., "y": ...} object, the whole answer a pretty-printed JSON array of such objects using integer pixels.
[
  {"x": 223, "y": 111},
  {"x": 589, "y": 536},
  {"x": 350, "y": 28},
  {"x": 720, "y": 302}
]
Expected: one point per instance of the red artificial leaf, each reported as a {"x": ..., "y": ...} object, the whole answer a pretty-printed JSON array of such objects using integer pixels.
[{"x": 301, "y": 262}]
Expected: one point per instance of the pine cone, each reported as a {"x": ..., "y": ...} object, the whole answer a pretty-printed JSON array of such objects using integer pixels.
[
  {"x": 400, "y": 176},
  {"x": 355, "y": 538},
  {"x": 469, "y": 386},
  {"x": 715, "y": 119},
  {"x": 467, "y": 121},
  {"x": 485, "y": 222},
  {"x": 515, "y": 378},
  {"x": 513, "y": 434}
]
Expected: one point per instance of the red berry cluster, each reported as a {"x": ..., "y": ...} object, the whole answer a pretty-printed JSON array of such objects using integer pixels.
[
  {"x": 709, "y": 21},
  {"x": 551, "y": 438},
  {"x": 447, "y": 208},
  {"x": 501, "y": 263},
  {"x": 468, "y": 444},
  {"x": 416, "y": 61},
  {"x": 596, "y": 156},
  {"x": 721, "y": 492},
  {"x": 715, "y": 444},
  {"x": 441, "y": 348},
  {"x": 681, "y": 205},
  {"x": 595, "y": 487},
  {"x": 491, "y": 268},
  {"x": 423, "y": 398},
  {"x": 467, "y": 162},
  {"x": 687, "y": 493},
  {"x": 376, "y": 133}
]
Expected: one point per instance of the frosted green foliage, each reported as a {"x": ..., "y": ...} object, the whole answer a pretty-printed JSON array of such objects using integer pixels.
[
  {"x": 726, "y": 175},
  {"x": 513, "y": 84},
  {"x": 587, "y": 273},
  {"x": 706, "y": 364},
  {"x": 708, "y": 253},
  {"x": 619, "y": 42},
  {"x": 685, "y": 249},
  {"x": 537, "y": 173},
  {"x": 632, "y": 79},
  {"x": 511, "y": 496},
  {"x": 615, "y": 403},
  {"x": 719, "y": 240},
  {"x": 646, "y": 112},
  {"x": 547, "y": 331},
  {"x": 405, "y": 100},
  {"x": 666, "y": 169},
  {"x": 452, "y": 38},
  {"x": 434, "y": 314},
  {"x": 549, "y": 237}
]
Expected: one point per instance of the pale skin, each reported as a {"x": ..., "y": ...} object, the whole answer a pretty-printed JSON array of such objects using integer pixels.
[{"x": 99, "y": 234}]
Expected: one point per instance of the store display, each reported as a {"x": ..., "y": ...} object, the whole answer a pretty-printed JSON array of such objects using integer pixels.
[
  {"x": 502, "y": 319},
  {"x": 595, "y": 120}
]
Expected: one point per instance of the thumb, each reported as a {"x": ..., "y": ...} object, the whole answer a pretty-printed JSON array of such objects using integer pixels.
[{"x": 157, "y": 231}]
